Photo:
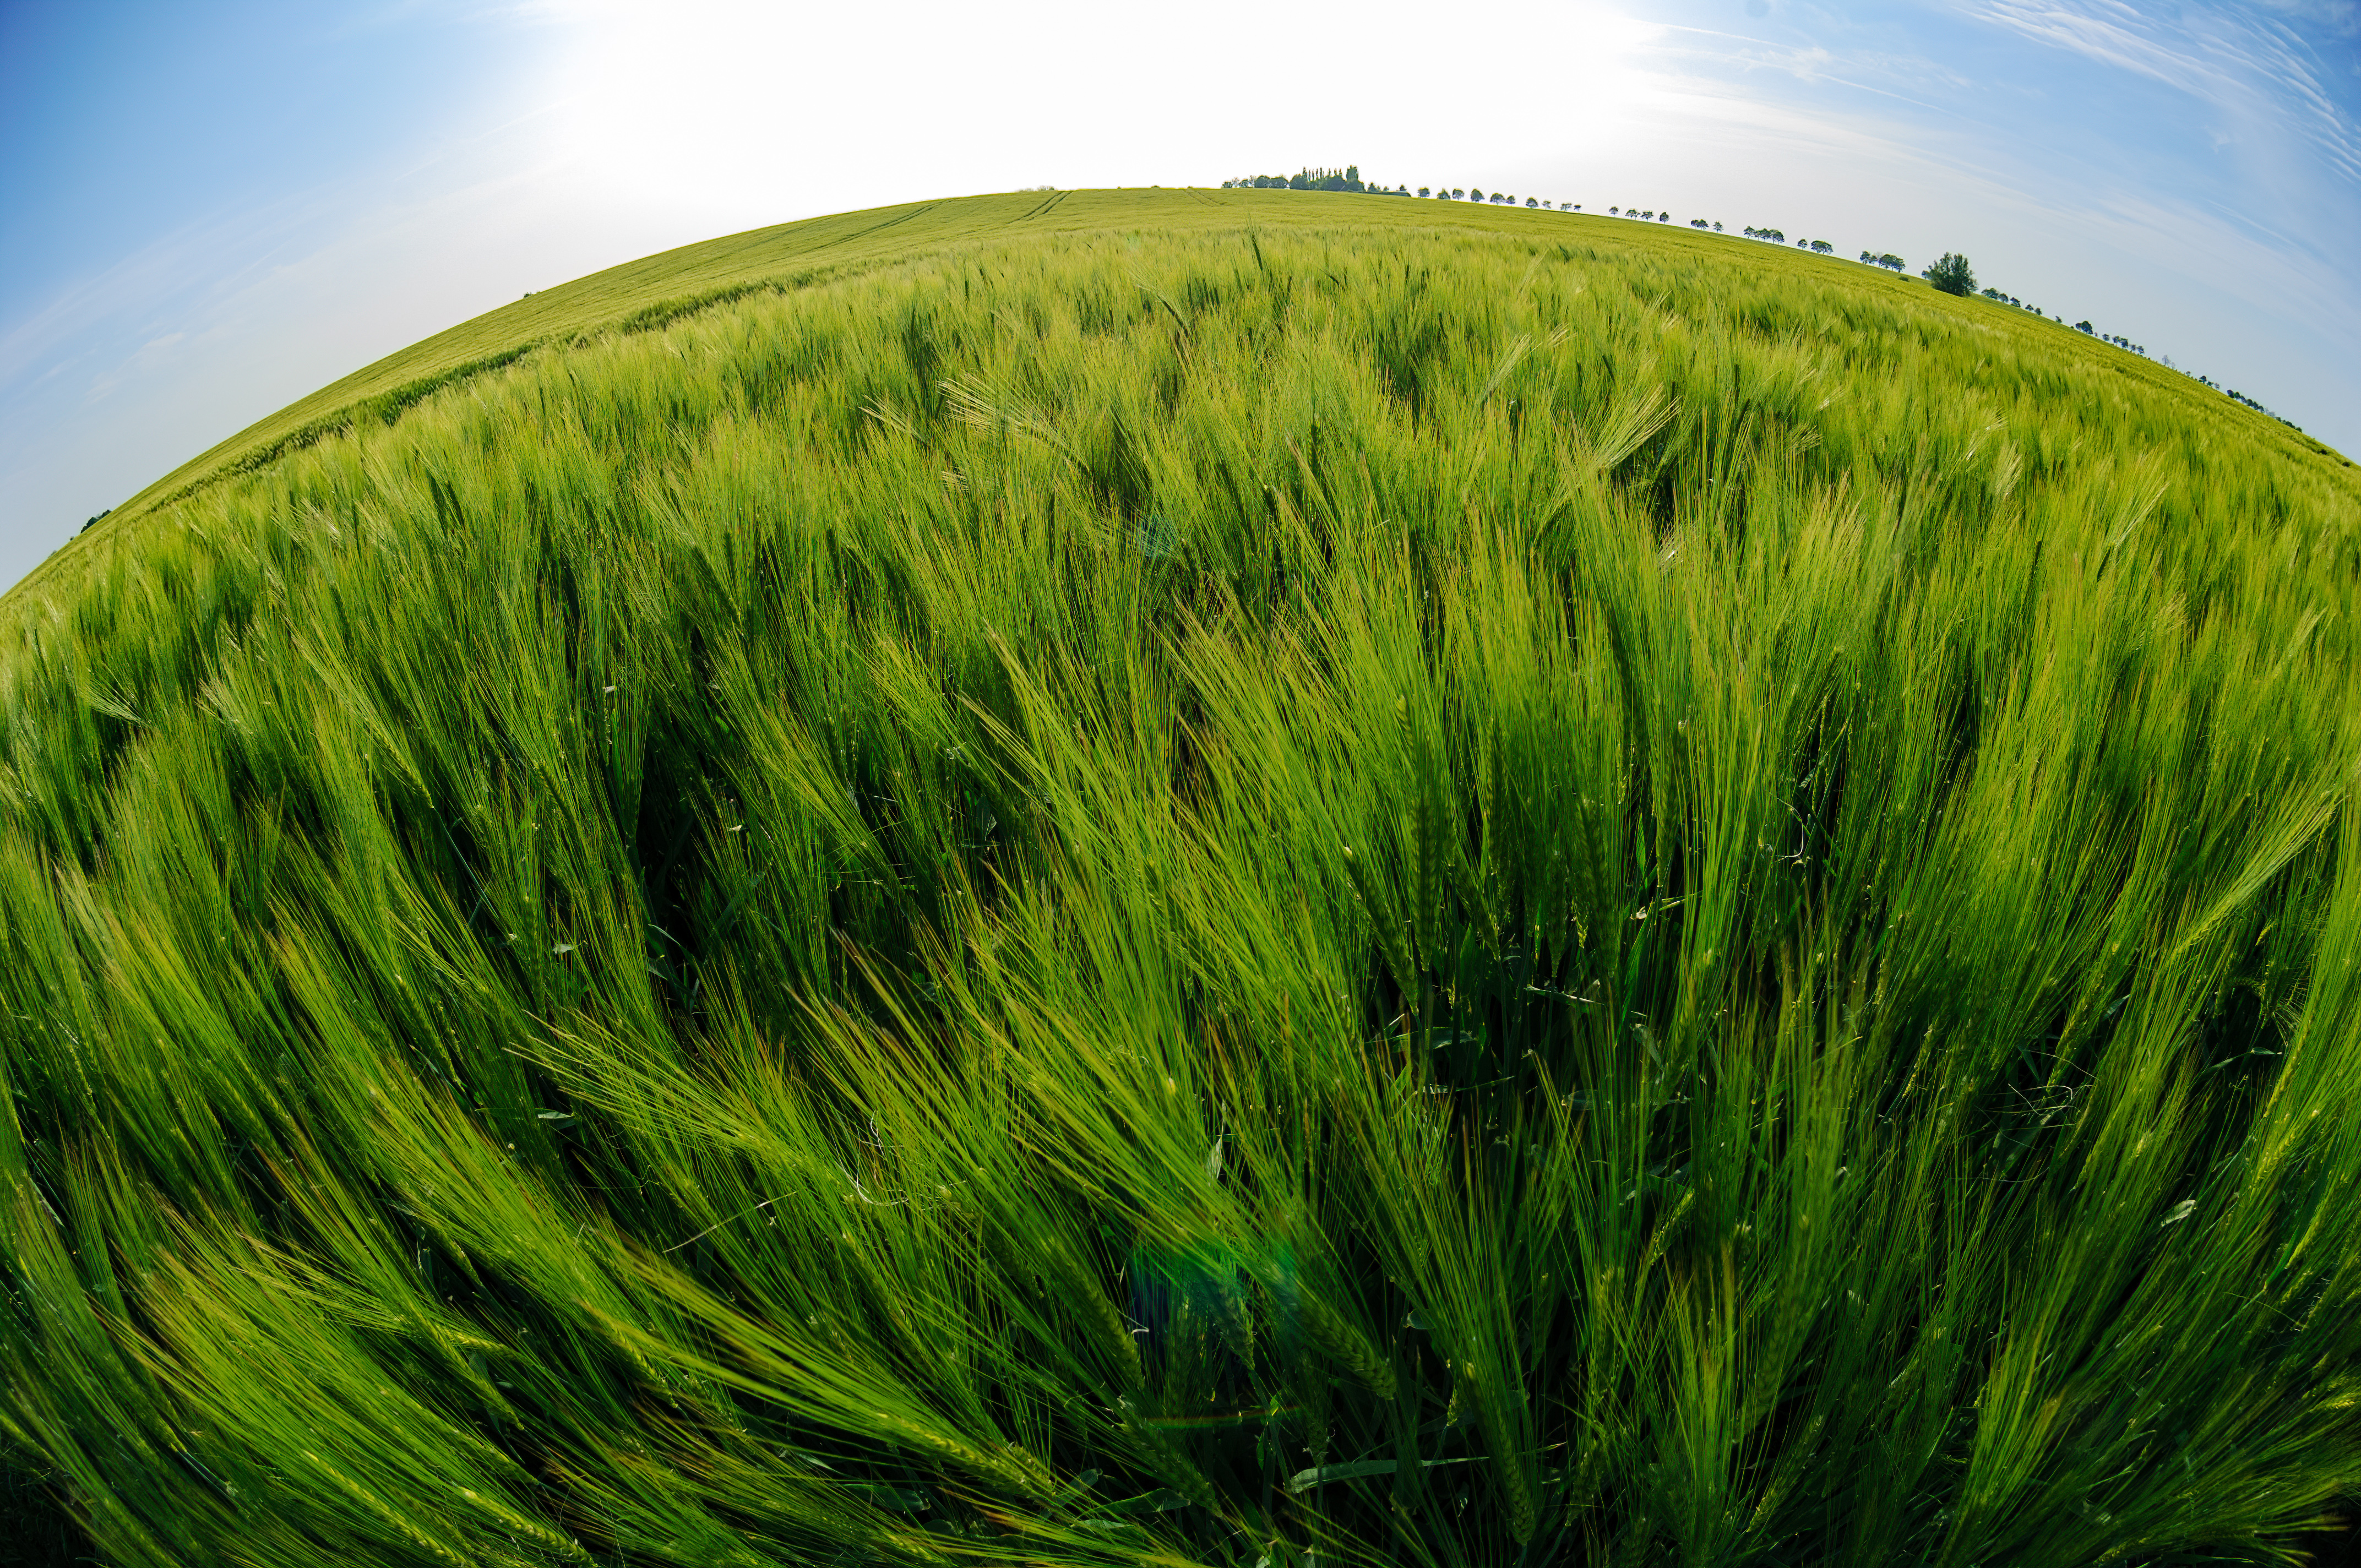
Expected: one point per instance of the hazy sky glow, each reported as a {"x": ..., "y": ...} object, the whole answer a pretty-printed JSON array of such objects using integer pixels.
[{"x": 206, "y": 213}]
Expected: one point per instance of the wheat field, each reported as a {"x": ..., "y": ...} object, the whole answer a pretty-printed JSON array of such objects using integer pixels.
[{"x": 1272, "y": 881}]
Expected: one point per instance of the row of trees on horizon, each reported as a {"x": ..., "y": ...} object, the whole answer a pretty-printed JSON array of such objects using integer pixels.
[{"x": 1346, "y": 179}]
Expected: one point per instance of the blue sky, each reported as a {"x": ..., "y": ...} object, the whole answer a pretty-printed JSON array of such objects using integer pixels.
[{"x": 208, "y": 210}]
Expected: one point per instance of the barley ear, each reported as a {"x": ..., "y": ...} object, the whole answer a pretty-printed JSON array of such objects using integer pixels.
[
  {"x": 1517, "y": 1490},
  {"x": 1174, "y": 1466},
  {"x": 1348, "y": 1346}
]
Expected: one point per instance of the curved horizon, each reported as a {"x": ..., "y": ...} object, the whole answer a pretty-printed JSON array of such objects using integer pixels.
[{"x": 212, "y": 217}]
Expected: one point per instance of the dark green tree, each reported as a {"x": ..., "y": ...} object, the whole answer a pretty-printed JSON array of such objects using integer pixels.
[{"x": 1952, "y": 275}]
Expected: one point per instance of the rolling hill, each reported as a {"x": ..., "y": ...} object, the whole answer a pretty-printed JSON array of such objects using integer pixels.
[{"x": 1157, "y": 877}]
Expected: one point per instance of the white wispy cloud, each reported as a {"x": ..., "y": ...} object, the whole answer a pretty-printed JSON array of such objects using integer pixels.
[
  {"x": 2341, "y": 18},
  {"x": 1907, "y": 78},
  {"x": 2111, "y": 33},
  {"x": 2256, "y": 69}
]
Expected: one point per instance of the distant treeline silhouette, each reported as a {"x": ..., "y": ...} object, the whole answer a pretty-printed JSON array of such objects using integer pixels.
[{"x": 1346, "y": 179}]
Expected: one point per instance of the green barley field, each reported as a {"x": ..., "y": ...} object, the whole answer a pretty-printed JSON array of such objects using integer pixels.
[{"x": 1153, "y": 878}]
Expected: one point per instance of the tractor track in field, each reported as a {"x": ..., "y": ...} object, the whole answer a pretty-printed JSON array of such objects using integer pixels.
[{"x": 1041, "y": 211}]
